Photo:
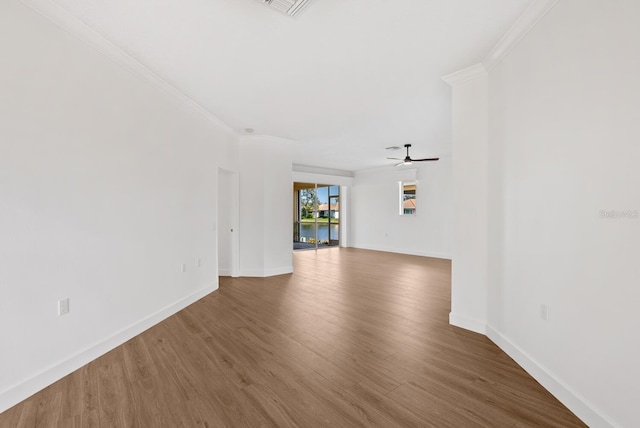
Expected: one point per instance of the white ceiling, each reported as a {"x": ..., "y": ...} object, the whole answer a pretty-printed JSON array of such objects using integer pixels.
[{"x": 344, "y": 79}]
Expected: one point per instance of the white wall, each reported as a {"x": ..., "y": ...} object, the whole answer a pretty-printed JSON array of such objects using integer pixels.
[
  {"x": 266, "y": 198},
  {"x": 564, "y": 126},
  {"x": 107, "y": 186},
  {"x": 565, "y": 116},
  {"x": 470, "y": 193},
  {"x": 375, "y": 220}
]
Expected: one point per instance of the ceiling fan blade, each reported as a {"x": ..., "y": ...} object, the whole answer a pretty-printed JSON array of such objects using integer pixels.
[
  {"x": 395, "y": 158},
  {"x": 426, "y": 159},
  {"x": 399, "y": 164}
]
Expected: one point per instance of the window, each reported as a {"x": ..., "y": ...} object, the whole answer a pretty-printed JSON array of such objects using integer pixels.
[
  {"x": 407, "y": 198},
  {"x": 316, "y": 213}
]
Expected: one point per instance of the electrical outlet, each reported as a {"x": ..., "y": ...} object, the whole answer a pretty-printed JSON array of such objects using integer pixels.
[
  {"x": 183, "y": 267},
  {"x": 544, "y": 312},
  {"x": 63, "y": 306}
]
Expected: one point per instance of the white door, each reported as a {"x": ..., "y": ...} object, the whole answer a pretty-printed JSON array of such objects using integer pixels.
[{"x": 228, "y": 242}]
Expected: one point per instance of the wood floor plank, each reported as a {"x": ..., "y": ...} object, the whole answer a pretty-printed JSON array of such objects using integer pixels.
[
  {"x": 353, "y": 338},
  {"x": 371, "y": 396},
  {"x": 447, "y": 408},
  {"x": 356, "y": 410}
]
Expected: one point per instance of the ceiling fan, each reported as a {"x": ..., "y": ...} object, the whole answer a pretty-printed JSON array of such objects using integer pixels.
[{"x": 408, "y": 161}]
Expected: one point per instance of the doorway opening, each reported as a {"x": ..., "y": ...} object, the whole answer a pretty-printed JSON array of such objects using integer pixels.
[{"x": 316, "y": 216}]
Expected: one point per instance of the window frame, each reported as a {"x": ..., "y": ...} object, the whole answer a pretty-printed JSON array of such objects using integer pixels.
[{"x": 405, "y": 188}]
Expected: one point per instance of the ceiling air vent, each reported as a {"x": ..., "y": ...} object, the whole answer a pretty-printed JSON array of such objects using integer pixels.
[{"x": 290, "y": 7}]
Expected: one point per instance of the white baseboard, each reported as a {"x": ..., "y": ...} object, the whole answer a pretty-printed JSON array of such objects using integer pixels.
[
  {"x": 471, "y": 324},
  {"x": 224, "y": 272},
  {"x": 14, "y": 395},
  {"x": 432, "y": 254},
  {"x": 564, "y": 393},
  {"x": 278, "y": 271},
  {"x": 262, "y": 273}
]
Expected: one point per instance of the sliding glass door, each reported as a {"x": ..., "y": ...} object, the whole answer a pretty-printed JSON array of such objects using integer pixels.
[{"x": 316, "y": 216}]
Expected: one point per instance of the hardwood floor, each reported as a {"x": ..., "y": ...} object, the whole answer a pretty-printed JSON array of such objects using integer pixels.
[{"x": 352, "y": 338}]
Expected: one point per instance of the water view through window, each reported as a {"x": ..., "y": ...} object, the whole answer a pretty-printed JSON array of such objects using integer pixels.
[
  {"x": 316, "y": 216},
  {"x": 308, "y": 232}
]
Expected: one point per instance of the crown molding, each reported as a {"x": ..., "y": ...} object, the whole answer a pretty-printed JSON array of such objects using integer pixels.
[
  {"x": 77, "y": 28},
  {"x": 531, "y": 16},
  {"x": 465, "y": 74}
]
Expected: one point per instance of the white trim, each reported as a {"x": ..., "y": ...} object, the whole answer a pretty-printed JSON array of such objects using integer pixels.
[
  {"x": 74, "y": 26},
  {"x": 563, "y": 392},
  {"x": 531, "y": 16},
  {"x": 278, "y": 271},
  {"x": 312, "y": 177},
  {"x": 534, "y": 13},
  {"x": 470, "y": 324},
  {"x": 321, "y": 171},
  {"x": 465, "y": 74},
  {"x": 17, "y": 393},
  {"x": 225, "y": 272},
  {"x": 263, "y": 273}
]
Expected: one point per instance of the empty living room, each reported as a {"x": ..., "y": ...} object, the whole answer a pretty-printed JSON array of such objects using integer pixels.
[{"x": 308, "y": 213}]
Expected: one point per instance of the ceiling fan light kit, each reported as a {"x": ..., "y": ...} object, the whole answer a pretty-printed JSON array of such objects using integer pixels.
[{"x": 408, "y": 161}]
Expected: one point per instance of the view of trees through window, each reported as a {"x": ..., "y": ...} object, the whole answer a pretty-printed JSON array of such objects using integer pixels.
[
  {"x": 308, "y": 202},
  {"x": 316, "y": 215}
]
